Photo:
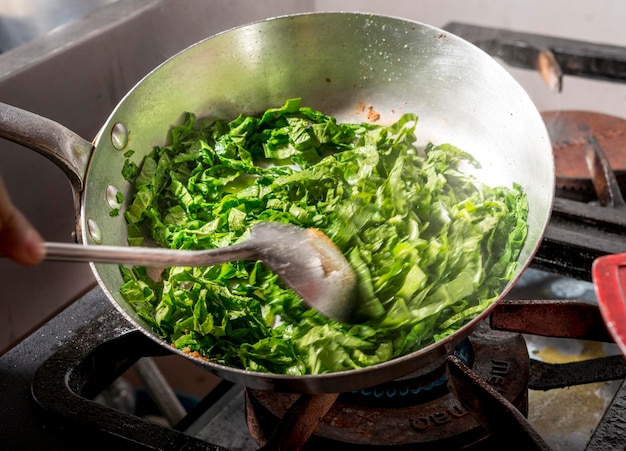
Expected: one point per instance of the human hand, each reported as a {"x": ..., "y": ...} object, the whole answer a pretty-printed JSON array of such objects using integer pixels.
[{"x": 19, "y": 240}]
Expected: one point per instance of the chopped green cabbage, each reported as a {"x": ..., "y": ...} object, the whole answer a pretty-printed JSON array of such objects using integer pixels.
[{"x": 432, "y": 247}]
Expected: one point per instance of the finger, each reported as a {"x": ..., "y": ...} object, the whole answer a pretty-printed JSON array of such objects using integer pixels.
[{"x": 18, "y": 238}]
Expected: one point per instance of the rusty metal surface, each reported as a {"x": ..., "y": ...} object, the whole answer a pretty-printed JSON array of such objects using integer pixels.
[
  {"x": 602, "y": 176},
  {"x": 494, "y": 412},
  {"x": 610, "y": 434},
  {"x": 569, "y": 133},
  {"x": 551, "y": 318},
  {"x": 300, "y": 421},
  {"x": 427, "y": 422},
  {"x": 590, "y": 165},
  {"x": 547, "y": 376}
]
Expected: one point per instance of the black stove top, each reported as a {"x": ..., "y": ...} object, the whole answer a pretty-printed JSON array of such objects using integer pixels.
[
  {"x": 23, "y": 424},
  {"x": 62, "y": 366}
]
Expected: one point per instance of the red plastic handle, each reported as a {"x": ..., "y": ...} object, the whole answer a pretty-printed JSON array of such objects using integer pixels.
[{"x": 609, "y": 278}]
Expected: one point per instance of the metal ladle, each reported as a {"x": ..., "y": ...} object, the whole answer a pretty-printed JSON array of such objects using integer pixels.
[{"x": 305, "y": 259}]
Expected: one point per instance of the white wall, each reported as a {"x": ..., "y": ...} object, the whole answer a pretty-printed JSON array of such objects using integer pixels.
[
  {"x": 600, "y": 21},
  {"x": 595, "y": 20}
]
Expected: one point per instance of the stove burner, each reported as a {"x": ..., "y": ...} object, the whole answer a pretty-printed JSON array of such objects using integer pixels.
[
  {"x": 395, "y": 391},
  {"x": 427, "y": 420},
  {"x": 578, "y": 232},
  {"x": 493, "y": 393},
  {"x": 569, "y": 132},
  {"x": 412, "y": 388}
]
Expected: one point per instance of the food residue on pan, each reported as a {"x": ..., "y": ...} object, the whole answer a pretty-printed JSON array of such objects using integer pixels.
[
  {"x": 372, "y": 115},
  {"x": 191, "y": 353}
]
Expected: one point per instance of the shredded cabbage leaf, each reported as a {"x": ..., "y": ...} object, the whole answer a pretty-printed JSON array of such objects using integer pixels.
[{"x": 432, "y": 247}]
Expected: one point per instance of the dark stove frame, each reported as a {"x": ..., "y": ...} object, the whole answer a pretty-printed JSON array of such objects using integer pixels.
[
  {"x": 521, "y": 50},
  {"x": 66, "y": 378}
]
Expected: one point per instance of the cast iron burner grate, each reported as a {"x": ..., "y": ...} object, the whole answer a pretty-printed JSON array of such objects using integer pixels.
[
  {"x": 480, "y": 395},
  {"x": 416, "y": 412}
]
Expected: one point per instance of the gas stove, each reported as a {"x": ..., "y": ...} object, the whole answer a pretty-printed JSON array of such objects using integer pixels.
[
  {"x": 487, "y": 395},
  {"x": 478, "y": 400}
]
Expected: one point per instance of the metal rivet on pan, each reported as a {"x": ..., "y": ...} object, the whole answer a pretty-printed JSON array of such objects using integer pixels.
[
  {"x": 113, "y": 196},
  {"x": 119, "y": 136},
  {"x": 94, "y": 231}
]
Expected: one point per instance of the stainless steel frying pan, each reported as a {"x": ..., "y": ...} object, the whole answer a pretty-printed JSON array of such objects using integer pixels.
[{"x": 342, "y": 64}]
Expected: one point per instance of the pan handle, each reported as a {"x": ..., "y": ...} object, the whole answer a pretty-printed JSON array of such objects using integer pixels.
[
  {"x": 608, "y": 274},
  {"x": 60, "y": 145}
]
